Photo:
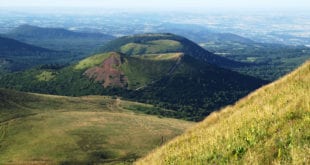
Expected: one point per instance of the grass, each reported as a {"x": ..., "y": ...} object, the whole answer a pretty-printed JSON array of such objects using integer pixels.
[
  {"x": 161, "y": 57},
  {"x": 165, "y": 45},
  {"x": 46, "y": 129},
  {"x": 91, "y": 61},
  {"x": 45, "y": 76},
  {"x": 143, "y": 71},
  {"x": 151, "y": 47},
  {"x": 270, "y": 126},
  {"x": 133, "y": 48}
]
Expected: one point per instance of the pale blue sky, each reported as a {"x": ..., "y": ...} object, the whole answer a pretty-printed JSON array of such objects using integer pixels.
[{"x": 162, "y": 4}]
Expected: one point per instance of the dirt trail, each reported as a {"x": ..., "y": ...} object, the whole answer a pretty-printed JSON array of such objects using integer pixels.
[{"x": 175, "y": 66}]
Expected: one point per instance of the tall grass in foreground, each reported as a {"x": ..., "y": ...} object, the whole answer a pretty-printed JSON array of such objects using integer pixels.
[{"x": 270, "y": 126}]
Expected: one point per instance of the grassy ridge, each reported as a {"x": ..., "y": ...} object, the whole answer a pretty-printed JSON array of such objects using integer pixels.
[
  {"x": 157, "y": 46},
  {"x": 45, "y": 129},
  {"x": 160, "y": 57},
  {"x": 270, "y": 126}
]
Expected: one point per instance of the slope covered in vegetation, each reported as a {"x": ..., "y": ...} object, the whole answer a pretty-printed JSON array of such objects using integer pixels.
[
  {"x": 270, "y": 126},
  {"x": 176, "y": 81},
  {"x": 46, "y": 129}
]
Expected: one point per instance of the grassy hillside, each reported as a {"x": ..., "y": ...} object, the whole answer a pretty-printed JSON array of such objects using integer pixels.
[
  {"x": 158, "y": 43},
  {"x": 176, "y": 81},
  {"x": 270, "y": 126},
  {"x": 46, "y": 129}
]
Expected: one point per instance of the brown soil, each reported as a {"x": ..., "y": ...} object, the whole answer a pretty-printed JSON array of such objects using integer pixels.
[{"x": 108, "y": 73}]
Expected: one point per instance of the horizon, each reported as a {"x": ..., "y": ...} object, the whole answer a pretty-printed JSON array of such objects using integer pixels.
[{"x": 159, "y": 5}]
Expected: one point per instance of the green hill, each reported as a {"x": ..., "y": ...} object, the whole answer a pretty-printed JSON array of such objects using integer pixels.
[
  {"x": 176, "y": 81},
  {"x": 7, "y": 44},
  {"x": 29, "y": 31},
  {"x": 46, "y": 129},
  {"x": 80, "y": 44},
  {"x": 155, "y": 43},
  {"x": 270, "y": 126},
  {"x": 16, "y": 56}
]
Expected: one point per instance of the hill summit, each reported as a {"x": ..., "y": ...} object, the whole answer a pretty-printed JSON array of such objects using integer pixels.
[
  {"x": 156, "y": 43},
  {"x": 270, "y": 126}
]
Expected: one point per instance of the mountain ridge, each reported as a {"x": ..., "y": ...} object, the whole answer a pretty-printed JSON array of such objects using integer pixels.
[
  {"x": 18, "y": 56},
  {"x": 30, "y": 31},
  {"x": 81, "y": 44},
  {"x": 8, "y": 44}
]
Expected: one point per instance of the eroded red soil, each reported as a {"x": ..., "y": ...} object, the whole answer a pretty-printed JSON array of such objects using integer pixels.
[{"x": 108, "y": 73}]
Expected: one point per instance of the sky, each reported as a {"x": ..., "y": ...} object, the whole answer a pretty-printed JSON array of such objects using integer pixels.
[{"x": 163, "y": 4}]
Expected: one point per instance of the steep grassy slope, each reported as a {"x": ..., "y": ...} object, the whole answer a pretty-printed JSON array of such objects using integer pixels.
[
  {"x": 156, "y": 43},
  {"x": 270, "y": 126},
  {"x": 46, "y": 129},
  {"x": 174, "y": 81}
]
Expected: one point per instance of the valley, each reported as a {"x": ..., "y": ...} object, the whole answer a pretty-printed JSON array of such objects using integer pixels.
[{"x": 46, "y": 129}]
